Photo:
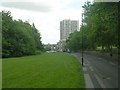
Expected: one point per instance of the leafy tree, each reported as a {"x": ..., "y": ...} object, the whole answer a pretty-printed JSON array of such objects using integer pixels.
[
  {"x": 73, "y": 42},
  {"x": 18, "y": 38},
  {"x": 100, "y": 27}
]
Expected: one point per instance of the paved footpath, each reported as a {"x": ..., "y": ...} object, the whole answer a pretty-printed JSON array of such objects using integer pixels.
[{"x": 98, "y": 72}]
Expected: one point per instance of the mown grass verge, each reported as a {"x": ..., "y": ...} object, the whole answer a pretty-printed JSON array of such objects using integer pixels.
[{"x": 48, "y": 70}]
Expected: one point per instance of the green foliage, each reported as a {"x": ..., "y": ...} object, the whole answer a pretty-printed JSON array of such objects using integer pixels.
[
  {"x": 18, "y": 38},
  {"x": 73, "y": 42},
  {"x": 101, "y": 19},
  {"x": 48, "y": 70},
  {"x": 100, "y": 26}
]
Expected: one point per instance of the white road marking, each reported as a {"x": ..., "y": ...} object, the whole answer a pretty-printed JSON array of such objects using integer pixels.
[
  {"x": 108, "y": 78},
  {"x": 86, "y": 60},
  {"x": 88, "y": 81},
  {"x": 84, "y": 69},
  {"x": 84, "y": 64},
  {"x": 91, "y": 68},
  {"x": 100, "y": 81},
  {"x": 112, "y": 63}
]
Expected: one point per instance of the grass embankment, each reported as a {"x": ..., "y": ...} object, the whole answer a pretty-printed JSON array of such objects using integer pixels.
[
  {"x": 48, "y": 70},
  {"x": 115, "y": 50}
]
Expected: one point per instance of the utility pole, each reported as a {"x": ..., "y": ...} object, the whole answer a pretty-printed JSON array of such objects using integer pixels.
[{"x": 82, "y": 39}]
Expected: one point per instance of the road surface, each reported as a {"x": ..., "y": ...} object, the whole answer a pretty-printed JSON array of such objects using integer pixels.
[{"x": 99, "y": 72}]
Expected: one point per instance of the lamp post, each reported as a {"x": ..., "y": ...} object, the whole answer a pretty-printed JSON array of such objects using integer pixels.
[{"x": 82, "y": 39}]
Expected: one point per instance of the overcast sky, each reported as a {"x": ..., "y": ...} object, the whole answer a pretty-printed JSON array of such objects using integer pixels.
[{"x": 45, "y": 14}]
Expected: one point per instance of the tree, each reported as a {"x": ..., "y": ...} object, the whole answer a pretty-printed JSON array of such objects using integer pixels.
[
  {"x": 101, "y": 20},
  {"x": 73, "y": 42},
  {"x": 19, "y": 38},
  {"x": 100, "y": 27}
]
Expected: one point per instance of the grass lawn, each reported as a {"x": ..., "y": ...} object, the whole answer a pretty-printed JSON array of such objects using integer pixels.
[
  {"x": 48, "y": 70},
  {"x": 114, "y": 49}
]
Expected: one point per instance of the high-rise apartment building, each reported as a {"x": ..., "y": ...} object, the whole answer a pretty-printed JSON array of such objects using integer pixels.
[{"x": 67, "y": 27}]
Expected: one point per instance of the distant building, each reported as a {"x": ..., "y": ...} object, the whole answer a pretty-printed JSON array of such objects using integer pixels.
[
  {"x": 60, "y": 46},
  {"x": 50, "y": 47},
  {"x": 66, "y": 28}
]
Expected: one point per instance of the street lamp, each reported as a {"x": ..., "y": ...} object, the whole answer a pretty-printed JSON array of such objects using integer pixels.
[{"x": 82, "y": 39}]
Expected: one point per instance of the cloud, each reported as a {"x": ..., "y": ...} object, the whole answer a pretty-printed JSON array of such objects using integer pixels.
[
  {"x": 41, "y": 7},
  {"x": 48, "y": 23}
]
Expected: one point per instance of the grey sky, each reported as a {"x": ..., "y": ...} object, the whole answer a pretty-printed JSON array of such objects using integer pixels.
[
  {"x": 42, "y": 7},
  {"x": 45, "y": 14},
  {"x": 107, "y": 0}
]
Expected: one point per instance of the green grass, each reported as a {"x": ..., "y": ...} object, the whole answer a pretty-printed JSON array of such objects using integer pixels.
[
  {"x": 48, "y": 70},
  {"x": 114, "y": 50}
]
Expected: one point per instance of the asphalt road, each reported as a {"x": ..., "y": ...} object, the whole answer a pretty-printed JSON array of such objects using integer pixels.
[{"x": 99, "y": 72}]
